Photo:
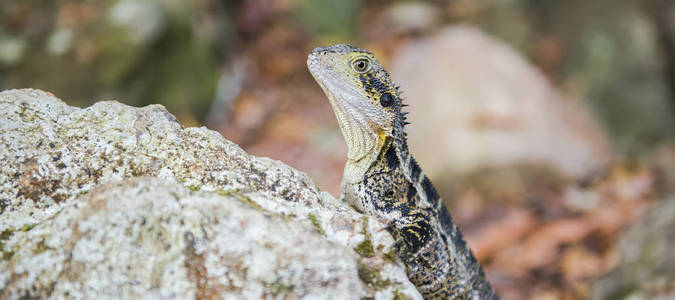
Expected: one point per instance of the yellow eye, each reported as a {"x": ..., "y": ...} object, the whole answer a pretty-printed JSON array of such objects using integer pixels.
[{"x": 361, "y": 65}]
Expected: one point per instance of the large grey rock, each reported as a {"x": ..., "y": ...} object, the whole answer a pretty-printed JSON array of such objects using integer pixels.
[
  {"x": 482, "y": 105},
  {"x": 214, "y": 221}
]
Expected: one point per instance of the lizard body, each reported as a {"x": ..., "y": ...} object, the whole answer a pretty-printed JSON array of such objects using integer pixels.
[{"x": 382, "y": 178}]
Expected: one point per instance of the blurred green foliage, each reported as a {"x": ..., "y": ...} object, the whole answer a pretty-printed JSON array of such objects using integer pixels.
[
  {"x": 141, "y": 51},
  {"x": 613, "y": 48},
  {"x": 336, "y": 18}
]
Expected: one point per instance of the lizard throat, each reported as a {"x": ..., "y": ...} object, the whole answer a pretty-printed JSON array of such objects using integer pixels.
[{"x": 364, "y": 140}]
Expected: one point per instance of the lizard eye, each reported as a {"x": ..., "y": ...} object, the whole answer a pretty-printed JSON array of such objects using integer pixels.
[{"x": 361, "y": 65}]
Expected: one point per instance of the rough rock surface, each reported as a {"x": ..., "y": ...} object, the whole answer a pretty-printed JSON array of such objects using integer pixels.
[
  {"x": 213, "y": 222},
  {"x": 485, "y": 106}
]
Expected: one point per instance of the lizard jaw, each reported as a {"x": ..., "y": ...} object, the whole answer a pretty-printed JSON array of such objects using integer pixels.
[{"x": 364, "y": 137}]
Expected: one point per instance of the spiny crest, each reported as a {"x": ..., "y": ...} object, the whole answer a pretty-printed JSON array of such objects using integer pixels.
[{"x": 403, "y": 115}]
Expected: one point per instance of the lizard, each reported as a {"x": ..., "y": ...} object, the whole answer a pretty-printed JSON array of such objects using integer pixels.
[{"x": 381, "y": 177}]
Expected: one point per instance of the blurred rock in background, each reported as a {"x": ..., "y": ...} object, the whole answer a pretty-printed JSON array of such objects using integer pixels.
[
  {"x": 549, "y": 129},
  {"x": 481, "y": 105}
]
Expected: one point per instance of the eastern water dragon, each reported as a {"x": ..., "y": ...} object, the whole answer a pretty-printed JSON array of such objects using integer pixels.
[{"x": 381, "y": 177}]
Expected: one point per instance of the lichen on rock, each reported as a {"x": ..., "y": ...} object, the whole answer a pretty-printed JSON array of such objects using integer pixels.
[{"x": 124, "y": 202}]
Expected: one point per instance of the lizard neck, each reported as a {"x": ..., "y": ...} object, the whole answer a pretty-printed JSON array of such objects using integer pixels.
[{"x": 357, "y": 169}]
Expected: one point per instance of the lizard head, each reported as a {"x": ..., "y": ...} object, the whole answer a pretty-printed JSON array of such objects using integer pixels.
[{"x": 365, "y": 100}]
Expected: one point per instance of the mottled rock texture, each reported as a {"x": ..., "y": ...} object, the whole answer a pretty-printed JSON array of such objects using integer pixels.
[{"x": 124, "y": 202}]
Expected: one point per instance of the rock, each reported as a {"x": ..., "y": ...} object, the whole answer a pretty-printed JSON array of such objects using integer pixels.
[
  {"x": 148, "y": 237},
  {"x": 484, "y": 106},
  {"x": 411, "y": 17},
  {"x": 124, "y": 202},
  {"x": 647, "y": 262}
]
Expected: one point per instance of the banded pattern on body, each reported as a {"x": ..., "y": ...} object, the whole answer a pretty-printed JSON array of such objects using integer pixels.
[{"x": 381, "y": 177}]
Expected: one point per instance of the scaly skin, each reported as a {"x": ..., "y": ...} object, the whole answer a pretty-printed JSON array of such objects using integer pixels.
[{"x": 381, "y": 178}]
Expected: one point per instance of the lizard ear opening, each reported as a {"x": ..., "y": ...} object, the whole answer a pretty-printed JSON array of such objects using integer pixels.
[{"x": 386, "y": 99}]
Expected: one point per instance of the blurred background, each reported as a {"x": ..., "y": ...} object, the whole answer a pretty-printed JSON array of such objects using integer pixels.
[{"x": 547, "y": 126}]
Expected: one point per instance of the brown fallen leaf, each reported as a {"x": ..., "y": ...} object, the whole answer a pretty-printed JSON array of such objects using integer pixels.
[{"x": 498, "y": 234}]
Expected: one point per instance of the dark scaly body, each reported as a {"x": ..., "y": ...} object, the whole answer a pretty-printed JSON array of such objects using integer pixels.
[
  {"x": 437, "y": 258},
  {"x": 381, "y": 177}
]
